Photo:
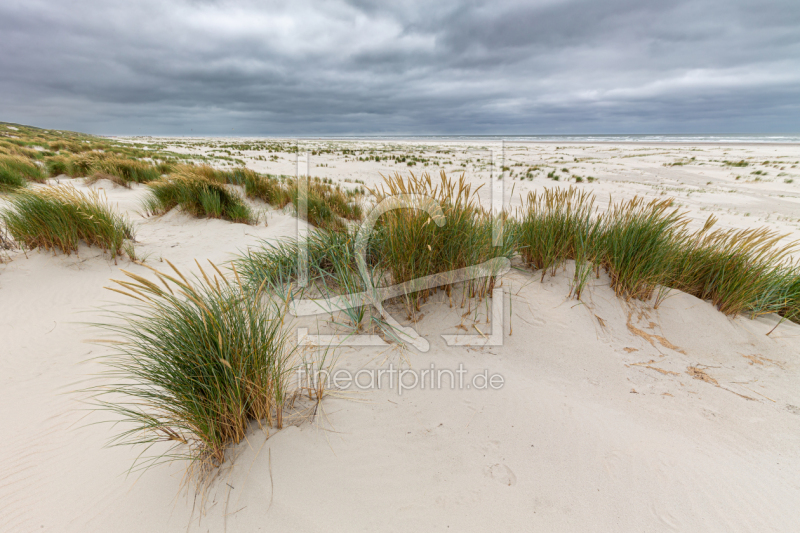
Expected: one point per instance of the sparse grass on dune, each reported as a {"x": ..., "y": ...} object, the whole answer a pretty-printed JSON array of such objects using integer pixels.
[
  {"x": 326, "y": 204},
  {"x": 34, "y": 154},
  {"x": 61, "y": 217},
  {"x": 740, "y": 271},
  {"x": 196, "y": 362},
  {"x": 332, "y": 269},
  {"x": 15, "y": 171},
  {"x": 407, "y": 244},
  {"x": 645, "y": 247},
  {"x": 126, "y": 171},
  {"x": 411, "y": 244},
  {"x": 197, "y": 196},
  {"x": 556, "y": 225}
]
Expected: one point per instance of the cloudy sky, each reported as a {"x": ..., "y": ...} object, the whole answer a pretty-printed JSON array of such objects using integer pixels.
[{"x": 439, "y": 67}]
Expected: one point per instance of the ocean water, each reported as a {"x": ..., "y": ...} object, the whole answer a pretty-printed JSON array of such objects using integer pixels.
[{"x": 578, "y": 138}]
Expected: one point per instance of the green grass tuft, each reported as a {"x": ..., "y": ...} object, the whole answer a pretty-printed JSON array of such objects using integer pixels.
[
  {"x": 61, "y": 217},
  {"x": 16, "y": 172},
  {"x": 197, "y": 196},
  {"x": 637, "y": 246},
  {"x": 126, "y": 171},
  {"x": 556, "y": 225},
  {"x": 197, "y": 361}
]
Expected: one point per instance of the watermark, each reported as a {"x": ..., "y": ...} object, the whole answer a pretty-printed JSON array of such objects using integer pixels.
[
  {"x": 375, "y": 296},
  {"x": 399, "y": 379}
]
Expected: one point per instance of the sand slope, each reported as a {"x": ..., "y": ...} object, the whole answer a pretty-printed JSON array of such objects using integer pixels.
[{"x": 602, "y": 424}]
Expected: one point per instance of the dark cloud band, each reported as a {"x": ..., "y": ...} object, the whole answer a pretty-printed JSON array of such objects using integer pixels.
[{"x": 552, "y": 66}]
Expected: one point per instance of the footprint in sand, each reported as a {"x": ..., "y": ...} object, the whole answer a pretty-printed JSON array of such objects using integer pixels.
[{"x": 502, "y": 474}]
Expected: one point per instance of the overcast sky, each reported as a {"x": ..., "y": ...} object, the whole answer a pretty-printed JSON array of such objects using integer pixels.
[{"x": 438, "y": 67}]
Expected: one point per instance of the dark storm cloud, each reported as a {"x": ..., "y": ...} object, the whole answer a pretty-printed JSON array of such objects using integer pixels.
[{"x": 426, "y": 67}]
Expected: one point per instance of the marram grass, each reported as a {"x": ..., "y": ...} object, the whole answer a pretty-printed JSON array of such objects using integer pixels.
[
  {"x": 644, "y": 246},
  {"x": 406, "y": 244},
  {"x": 196, "y": 362},
  {"x": 124, "y": 171},
  {"x": 646, "y": 249},
  {"x": 197, "y": 196},
  {"x": 637, "y": 246},
  {"x": 16, "y": 172},
  {"x": 59, "y": 218},
  {"x": 409, "y": 243},
  {"x": 556, "y": 225}
]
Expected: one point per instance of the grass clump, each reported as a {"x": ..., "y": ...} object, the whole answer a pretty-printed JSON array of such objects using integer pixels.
[
  {"x": 740, "y": 271},
  {"x": 61, "y": 217},
  {"x": 410, "y": 244},
  {"x": 637, "y": 246},
  {"x": 197, "y": 362},
  {"x": 123, "y": 171},
  {"x": 327, "y": 206},
  {"x": 57, "y": 166},
  {"x": 556, "y": 225},
  {"x": 16, "y": 172},
  {"x": 332, "y": 271},
  {"x": 646, "y": 249},
  {"x": 197, "y": 196},
  {"x": 11, "y": 180}
]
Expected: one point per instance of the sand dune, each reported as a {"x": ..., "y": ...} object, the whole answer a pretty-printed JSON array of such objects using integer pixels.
[{"x": 613, "y": 416}]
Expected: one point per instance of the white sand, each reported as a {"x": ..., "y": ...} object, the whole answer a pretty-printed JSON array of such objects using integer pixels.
[{"x": 582, "y": 437}]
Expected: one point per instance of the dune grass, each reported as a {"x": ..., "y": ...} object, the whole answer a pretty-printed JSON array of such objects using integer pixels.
[
  {"x": 331, "y": 268},
  {"x": 197, "y": 196},
  {"x": 124, "y": 171},
  {"x": 411, "y": 244},
  {"x": 637, "y": 246},
  {"x": 556, "y": 225},
  {"x": 16, "y": 172},
  {"x": 406, "y": 244},
  {"x": 646, "y": 249},
  {"x": 327, "y": 206},
  {"x": 59, "y": 218},
  {"x": 57, "y": 166},
  {"x": 11, "y": 180},
  {"x": 740, "y": 271},
  {"x": 197, "y": 361}
]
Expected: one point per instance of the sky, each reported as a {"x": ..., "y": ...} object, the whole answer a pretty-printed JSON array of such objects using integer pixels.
[{"x": 206, "y": 67}]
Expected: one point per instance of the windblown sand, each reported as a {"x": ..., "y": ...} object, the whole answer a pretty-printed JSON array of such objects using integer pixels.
[{"x": 612, "y": 416}]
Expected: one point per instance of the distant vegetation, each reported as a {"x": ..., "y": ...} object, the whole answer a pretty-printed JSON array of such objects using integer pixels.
[{"x": 29, "y": 155}]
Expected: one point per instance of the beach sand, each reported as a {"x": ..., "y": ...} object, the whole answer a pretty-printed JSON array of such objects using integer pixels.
[{"x": 613, "y": 416}]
